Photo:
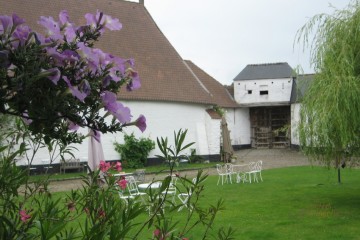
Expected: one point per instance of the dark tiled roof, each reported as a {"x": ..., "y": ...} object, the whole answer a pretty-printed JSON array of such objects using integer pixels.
[
  {"x": 300, "y": 86},
  {"x": 218, "y": 92},
  {"x": 164, "y": 75},
  {"x": 265, "y": 71}
]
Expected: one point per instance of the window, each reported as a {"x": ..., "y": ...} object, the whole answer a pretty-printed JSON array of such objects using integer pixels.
[
  {"x": 264, "y": 92},
  {"x": 249, "y": 91}
]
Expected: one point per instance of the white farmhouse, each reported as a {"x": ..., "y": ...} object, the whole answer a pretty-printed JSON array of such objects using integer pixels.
[{"x": 177, "y": 94}]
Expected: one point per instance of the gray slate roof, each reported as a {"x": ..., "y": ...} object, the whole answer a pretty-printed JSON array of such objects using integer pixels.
[
  {"x": 265, "y": 71},
  {"x": 300, "y": 86}
]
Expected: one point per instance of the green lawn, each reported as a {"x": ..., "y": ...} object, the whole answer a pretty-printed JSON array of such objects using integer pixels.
[{"x": 291, "y": 203}]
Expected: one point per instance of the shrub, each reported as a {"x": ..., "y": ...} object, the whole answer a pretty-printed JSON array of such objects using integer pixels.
[
  {"x": 134, "y": 152},
  {"x": 194, "y": 158}
]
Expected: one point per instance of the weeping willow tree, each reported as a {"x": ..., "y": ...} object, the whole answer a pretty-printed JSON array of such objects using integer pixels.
[{"x": 329, "y": 128}]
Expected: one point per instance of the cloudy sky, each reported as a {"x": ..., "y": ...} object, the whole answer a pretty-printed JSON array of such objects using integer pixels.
[{"x": 223, "y": 36}]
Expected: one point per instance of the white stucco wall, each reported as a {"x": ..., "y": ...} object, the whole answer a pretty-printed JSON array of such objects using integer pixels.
[
  {"x": 213, "y": 134},
  {"x": 162, "y": 120},
  {"x": 239, "y": 125},
  {"x": 295, "y": 118},
  {"x": 247, "y": 92}
]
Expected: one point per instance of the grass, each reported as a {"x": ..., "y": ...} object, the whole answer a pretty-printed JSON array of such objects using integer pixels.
[{"x": 291, "y": 203}]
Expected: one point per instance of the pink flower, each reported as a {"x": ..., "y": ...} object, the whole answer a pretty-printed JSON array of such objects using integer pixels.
[
  {"x": 71, "y": 206},
  {"x": 122, "y": 183},
  {"x": 157, "y": 232},
  {"x": 104, "y": 166},
  {"x": 117, "y": 166},
  {"x": 87, "y": 211},
  {"x": 23, "y": 216},
  {"x": 101, "y": 213}
]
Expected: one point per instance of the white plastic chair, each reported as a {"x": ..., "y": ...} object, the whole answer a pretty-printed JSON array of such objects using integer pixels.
[{"x": 185, "y": 197}]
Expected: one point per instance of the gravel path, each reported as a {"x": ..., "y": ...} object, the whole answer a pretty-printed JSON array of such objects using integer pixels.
[{"x": 272, "y": 158}]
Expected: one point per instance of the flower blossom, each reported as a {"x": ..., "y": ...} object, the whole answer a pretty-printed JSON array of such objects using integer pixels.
[
  {"x": 134, "y": 80},
  {"x": 157, "y": 232},
  {"x": 122, "y": 183},
  {"x": 72, "y": 126},
  {"x": 8, "y": 22},
  {"x": 24, "y": 216},
  {"x": 121, "y": 112},
  {"x": 75, "y": 90},
  {"x": 140, "y": 122},
  {"x": 117, "y": 166},
  {"x": 52, "y": 27},
  {"x": 54, "y": 75},
  {"x": 101, "y": 213},
  {"x": 110, "y": 23},
  {"x": 71, "y": 206},
  {"x": 104, "y": 166},
  {"x": 21, "y": 35}
]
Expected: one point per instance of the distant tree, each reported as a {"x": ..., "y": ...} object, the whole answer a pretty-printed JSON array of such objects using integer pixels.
[{"x": 329, "y": 126}]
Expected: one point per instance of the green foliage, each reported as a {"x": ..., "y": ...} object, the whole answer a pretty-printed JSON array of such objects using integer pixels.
[
  {"x": 329, "y": 126},
  {"x": 219, "y": 110},
  {"x": 133, "y": 151},
  {"x": 172, "y": 154},
  {"x": 6, "y": 122},
  {"x": 194, "y": 158}
]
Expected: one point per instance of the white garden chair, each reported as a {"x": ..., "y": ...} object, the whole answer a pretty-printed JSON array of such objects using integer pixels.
[
  {"x": 185, "y": 197},
  {"x": 133, "y": 189},
  {"x": 170, "y": 191},
  {"x": 255, "y": 170},
  {"x": 224, "y": 171}
]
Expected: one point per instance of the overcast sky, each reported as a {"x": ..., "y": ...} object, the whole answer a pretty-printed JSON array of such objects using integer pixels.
[{"x": 223, "y": 36}]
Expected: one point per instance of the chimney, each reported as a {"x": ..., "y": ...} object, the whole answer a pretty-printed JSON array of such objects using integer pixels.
[{"x": 142, "y": 2}]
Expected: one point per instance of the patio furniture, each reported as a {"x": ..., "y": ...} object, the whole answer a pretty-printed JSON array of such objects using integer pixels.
[
  {"x": 255, "y": 170},
  {"x": 170, "y": 191},
  {"x": 224, "y": 171},
  {"x": 125, "y": 198},
  {"x": 185, "y": 197},
  {"x": 241, "y": 172},
  {"x": 139, "y": 175},
  {"x": 154, "y": 199},
  {"x": 73, "y": 163},
  {"x": 151, "y": 185},
  {"x": 133, "y": 188}
]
